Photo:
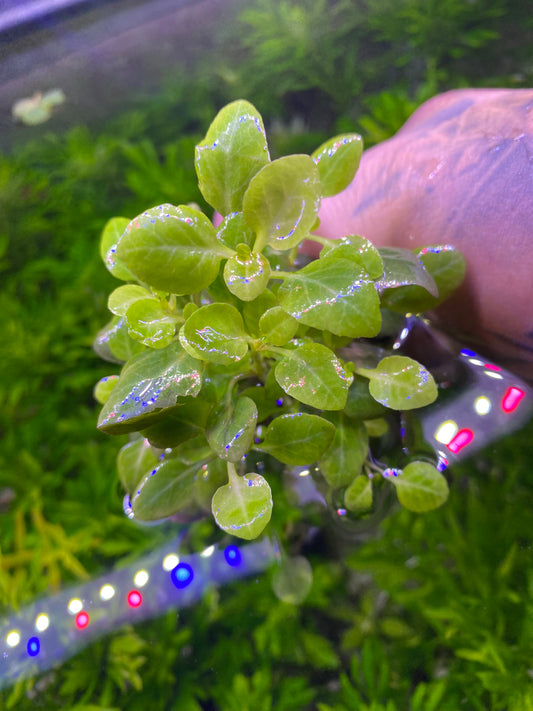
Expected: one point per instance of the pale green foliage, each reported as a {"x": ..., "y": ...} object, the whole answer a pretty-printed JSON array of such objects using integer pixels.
[{"x": 229, "y": 349}]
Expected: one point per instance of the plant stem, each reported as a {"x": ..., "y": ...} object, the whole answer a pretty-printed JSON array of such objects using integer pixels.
[{"x": 324, "y": 241}]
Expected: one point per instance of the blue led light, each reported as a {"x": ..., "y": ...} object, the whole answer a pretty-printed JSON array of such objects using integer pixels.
[
  {"x": 182, "y": 575},
  {"x": 233, "y": 556},
  {"x": 34, "y": 646},
  {"x": 468, "y": 352}
]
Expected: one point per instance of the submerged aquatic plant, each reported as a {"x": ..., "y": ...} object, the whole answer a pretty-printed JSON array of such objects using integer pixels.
[{"x": 231, "y": 350}]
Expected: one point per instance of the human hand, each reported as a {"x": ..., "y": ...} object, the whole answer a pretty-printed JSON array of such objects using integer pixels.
[{"x": 459, "y": 172}]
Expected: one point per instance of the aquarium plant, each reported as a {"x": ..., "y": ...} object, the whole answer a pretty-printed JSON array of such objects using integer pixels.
[{"x": 230, "y": 348}]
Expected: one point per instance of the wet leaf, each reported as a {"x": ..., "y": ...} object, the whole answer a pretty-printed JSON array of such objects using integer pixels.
[
  {"x": 233, "y": 231},
  {"x": 359, "y": 250},
  {"x": 246, "y": 274},
  {"x": 150, "y": 323},
  {"x": 277, "y": 326},
  {"x": 111, "y": 234},
  {"x": 358, "y": 496},
  {"x": 403, "y": 268},
  {"x": 445, "y": 264},
  {"x": 314, "y": 375},
  {"x": 104, "y": 387},
  {"x": 174, "y": 249},
  {"x": 281, "y": 203},
  {"x": 231, "y": 428},
  {"x": 292, "y": 580},
  {"x": 244, "y": 506},
  {"x": 297, "y": 438},
  {"x": 401, "y": 383},
  {"x": 165, "y": 490},
  {"x": 114, "y": 344},
  {"x": 334, "y": 295},
  {"x": 337, "y": 161},
  {"x": 123, "y": 297},
  {"x": 420, "y": 487},
  {"x": 342, "y": 462},
  {"x": 232, "y": 152},
  {"x": 134, "y": 460},
  {"x": 180, "y": 425},
  {"x": 150, "y": 383},
  {"x": 215, "y": 333}
]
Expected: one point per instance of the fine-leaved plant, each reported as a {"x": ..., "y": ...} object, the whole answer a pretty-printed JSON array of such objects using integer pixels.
[{"x": 230, "y": 347}]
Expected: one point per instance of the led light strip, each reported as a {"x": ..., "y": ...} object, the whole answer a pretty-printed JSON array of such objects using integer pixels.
[{"x": 55, "y": 628}]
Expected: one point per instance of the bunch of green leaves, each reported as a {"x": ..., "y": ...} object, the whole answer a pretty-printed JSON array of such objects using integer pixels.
[{"x": 227, "y": 347}]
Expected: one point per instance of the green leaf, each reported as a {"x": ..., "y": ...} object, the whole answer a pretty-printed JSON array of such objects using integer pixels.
[
  {"x": 233, "y": 231},
  {"x": 232, "y": 152},
  {"x": 445, "y": 264},
  {"x": 211, "y": 477},
  {"x": 111, "y": 234},
  {"x": 246, "y": 274},
  {"x": 123, "y": 297},
  {"x": 270, "y": 399},
  {"x": 403, "y": 268},
  {"x": 174, "y": 249},
  {"x": 253, "y": 311},
  {"x": 114, "y": 344},
  {"x": 297, "y": 438},
  {"x": 292, "y": 580},
  {"x": 277, "y": 327},
  {"x": 338, "y": 160},
  {"x": 103, "y": 388},
  {"x": 215, "y": 333},
  {"x": 420, "y": 487},
  {"x": 149, "y": 384},
  {"x": 359, "y": 250},
  {"x": 334, "y": 295},
  {"x": 244, "y": 506},
  {"x": 342, "y": 462},
  {"x": 231, "y": 428},
  {"x": 282, "y": 201},
  {"x": 314, "y": 375},
  {"x": 150, "y": 323},
  {"x": 165, "y": 490},
  {"x": 134, "y": 460},
  {"x": 360, "y": 404},
  {"x": 179, "y": 425},
  {"x": 358, "y": 496},
  {"x": 401, "y": 383}
]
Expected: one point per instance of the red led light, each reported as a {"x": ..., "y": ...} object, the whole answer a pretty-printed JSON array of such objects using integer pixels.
[
  {"x": 496, "y": 368},
  {"x": 511, "y": 399},
  {"x": 82, "y": 620},
  {"x": 134, "y": 598},
  {"x": 460, "y": 440}
]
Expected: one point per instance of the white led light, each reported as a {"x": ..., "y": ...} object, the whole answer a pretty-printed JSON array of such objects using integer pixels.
[
  {"x": 75, "y": 606},
  {"x": 494, "y": 374},
  {"x": 482, "y": 405},
  {"x": 170, "y": 561},
  {"x": 208, "y": 552},
  {"x": 140, "y": 578},
  {"x": 446, "y": 431},
  {"x": 305, "y": 472},
  {"x": 42, "y": 622},
  {"x": 476, "y": 361},
  {"x": 13, "y": 638},
  {"x": 107, "y": 592}
]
